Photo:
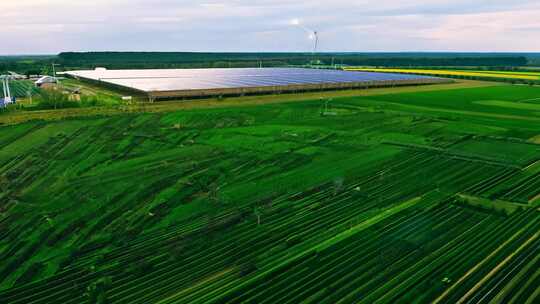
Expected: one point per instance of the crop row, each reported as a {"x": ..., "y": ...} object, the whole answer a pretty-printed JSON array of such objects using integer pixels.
[
  {"x": 359, "y": 273},
  {"x": 232, "y": 247}
]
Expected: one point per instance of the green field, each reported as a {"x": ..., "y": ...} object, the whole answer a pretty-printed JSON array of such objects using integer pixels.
[
  {"x": 414, "y": 196},
  {"x": 21, "y": 88}
]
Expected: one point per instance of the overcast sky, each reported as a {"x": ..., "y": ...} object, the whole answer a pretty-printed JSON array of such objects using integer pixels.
[{"x": 52, "y": 26}]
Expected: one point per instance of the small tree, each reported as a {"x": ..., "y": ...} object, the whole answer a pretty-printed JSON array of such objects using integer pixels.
[
  {"x": 96, "y": 292},
  {"x": 338, "y": 185},
  {"x": 257, "y": 212}
]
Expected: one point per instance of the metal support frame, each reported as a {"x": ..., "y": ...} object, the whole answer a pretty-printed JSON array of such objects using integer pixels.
[
  {"x": 6, "y": 90},
  {"x": 4, "y": 87}
]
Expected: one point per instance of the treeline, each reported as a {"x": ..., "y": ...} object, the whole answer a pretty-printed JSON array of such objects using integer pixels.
[
  {"x": 27, "y": 65},
  {"x": 172, "y": 59},
  {"x": 33, "y": 65}
]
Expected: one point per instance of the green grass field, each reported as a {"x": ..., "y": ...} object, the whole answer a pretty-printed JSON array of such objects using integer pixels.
[
  {"x": 409, "y": 195},
  {"x": 21, "y": 89}
]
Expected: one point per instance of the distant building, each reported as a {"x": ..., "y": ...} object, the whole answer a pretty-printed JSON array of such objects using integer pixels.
[
  {"x": 46, "y": 81},
  {"x": 16, "y": 76}
]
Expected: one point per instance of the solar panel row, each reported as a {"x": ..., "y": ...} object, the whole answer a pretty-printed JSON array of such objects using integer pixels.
[{"x": 208, "y": 79}]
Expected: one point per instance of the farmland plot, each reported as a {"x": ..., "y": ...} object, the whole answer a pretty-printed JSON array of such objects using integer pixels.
[{"x": 415, "y": 197}]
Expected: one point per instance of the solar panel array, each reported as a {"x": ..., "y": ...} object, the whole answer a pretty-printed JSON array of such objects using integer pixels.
[{"x": 207, "y": 79}]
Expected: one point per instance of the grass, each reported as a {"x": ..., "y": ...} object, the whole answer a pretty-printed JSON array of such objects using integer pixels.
[
  {"x": 496, "y": 205},
  {"x": 60, "y": 97},
  {"x": 267, "y": 199},
  {"x": 511, "y": 105},
  {"x": 14, "y": 117},
  {"x": 521, "y": 153}
]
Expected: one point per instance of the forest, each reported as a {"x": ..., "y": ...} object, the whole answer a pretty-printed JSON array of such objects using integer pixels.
[{"x": 33, "y": 65}]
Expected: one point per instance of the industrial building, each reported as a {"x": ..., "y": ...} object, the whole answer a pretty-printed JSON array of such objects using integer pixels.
[{"x": 46, "y": 81}]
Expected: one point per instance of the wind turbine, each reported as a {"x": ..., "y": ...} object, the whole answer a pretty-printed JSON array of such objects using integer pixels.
[
  {"x": 316, "y": 38},
  {"x": 313, "y": 34}
]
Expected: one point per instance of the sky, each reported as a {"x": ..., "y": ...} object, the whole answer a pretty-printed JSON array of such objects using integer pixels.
[{"x": 52, "y": 26}]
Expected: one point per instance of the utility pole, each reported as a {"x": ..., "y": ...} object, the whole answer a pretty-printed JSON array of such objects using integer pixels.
[
  {"x": 326, "y": 106},
  {"x": 54, "y": 71},
  {"x": 29, "y": 94}
]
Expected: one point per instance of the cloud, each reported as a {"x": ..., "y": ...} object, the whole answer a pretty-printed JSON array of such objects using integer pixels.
[
  {"x": 503, "y": 31},
  {"x": 50, "y": 26}
]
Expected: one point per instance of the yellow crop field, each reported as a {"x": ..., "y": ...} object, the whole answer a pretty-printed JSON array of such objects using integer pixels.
[
  {"x": 498, "y": 74},
  {"x": 537, "y": 74}
]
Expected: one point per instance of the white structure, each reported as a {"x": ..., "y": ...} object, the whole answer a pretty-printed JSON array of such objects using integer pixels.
[
  {"x": 5, "y": 87},
  {"x": 316, "y": 38},
  {"x": 313, "y": 34},
  {"x": 16, "y": 76},
  {"x": 46, "y": 80}
]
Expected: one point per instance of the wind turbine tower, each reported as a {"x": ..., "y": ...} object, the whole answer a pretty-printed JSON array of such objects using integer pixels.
[{"x": 316, "y": 38}]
